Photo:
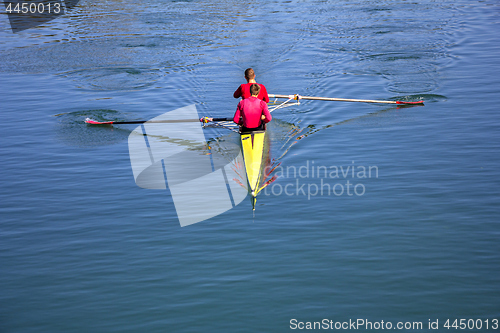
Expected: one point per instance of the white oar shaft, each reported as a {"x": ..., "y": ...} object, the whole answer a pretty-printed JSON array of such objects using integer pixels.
[{"x": 332, "y": 99}]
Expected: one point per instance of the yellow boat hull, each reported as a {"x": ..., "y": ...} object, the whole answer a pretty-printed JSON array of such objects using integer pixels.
[{"x": 252, "y": 146}]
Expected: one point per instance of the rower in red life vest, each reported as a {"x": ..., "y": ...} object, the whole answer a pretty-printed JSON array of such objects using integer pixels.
[
  {"x": 252, "y": 112},
  {"x": 243, "y": 90}
]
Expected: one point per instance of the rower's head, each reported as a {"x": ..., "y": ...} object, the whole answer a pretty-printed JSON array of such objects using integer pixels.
[
  {"x": 249, "y": 74},
  {"x": 254, "y": 90}
]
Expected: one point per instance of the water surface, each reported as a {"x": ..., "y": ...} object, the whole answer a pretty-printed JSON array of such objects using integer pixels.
[{"x": 84, "y": 249}]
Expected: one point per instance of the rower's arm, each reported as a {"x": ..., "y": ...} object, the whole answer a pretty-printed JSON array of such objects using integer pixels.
[
  {"x": 265, "y": 113},
  {"x": 237, "y": 115},
  {"x": 265, "y": 96},
  {"x": 237, "y": 93}
]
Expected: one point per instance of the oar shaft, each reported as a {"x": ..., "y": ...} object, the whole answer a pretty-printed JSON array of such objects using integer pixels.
[
  {"x": 93, "y": 122},
  {"x": 158, "y": 121},
  {"x": 222, "y": 119},
  {"x": 173, "y": 121},
  {"x": 298, "y": 97},
  {"x": 332, "y": 99}
]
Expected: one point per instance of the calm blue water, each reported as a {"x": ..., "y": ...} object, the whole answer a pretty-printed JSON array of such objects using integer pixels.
[{"x": 83, "y": 249}]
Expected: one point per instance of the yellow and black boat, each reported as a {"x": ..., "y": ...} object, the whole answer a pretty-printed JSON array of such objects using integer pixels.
[{"x": 252, "y": 147}]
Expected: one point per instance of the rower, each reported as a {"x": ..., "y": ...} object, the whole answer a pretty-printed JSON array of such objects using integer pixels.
[
  {"x": 243, "y": 90},
  {"x": 252, "y": 113}
]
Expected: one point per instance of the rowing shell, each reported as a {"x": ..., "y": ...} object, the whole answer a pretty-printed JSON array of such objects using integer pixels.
[
  {"x": 252, "y": 146},
  {"x": 252, "y": 143}
]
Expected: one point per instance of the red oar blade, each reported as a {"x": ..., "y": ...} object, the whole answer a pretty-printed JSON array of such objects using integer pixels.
[
  {"x": 94, "y": 122},
  {"x": 417, "y": 102}
]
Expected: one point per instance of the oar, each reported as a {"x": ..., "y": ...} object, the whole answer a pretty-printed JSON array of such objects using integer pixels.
[
  {"x": 202, "y": 120},
  {"x": 297, "y": 97}
]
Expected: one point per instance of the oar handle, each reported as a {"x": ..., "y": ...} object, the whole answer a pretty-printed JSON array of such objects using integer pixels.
[{"x": 298, "y": 97}]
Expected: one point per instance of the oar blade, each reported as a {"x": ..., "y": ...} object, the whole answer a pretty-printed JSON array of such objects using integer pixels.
[
  {"x": 95, "y": 122},
  {"x": 412, "y": 103}
]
